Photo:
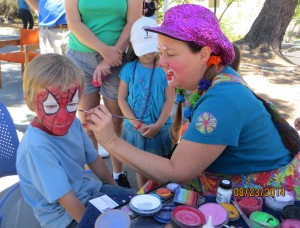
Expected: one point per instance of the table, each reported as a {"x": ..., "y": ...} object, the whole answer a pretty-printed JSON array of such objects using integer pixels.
[{"x": 92, "y": 213}]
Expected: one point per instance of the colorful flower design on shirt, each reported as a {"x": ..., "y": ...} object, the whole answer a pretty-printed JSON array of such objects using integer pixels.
[{"x": 206, "y": 123}]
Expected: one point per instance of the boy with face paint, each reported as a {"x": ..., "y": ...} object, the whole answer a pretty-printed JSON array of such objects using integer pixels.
[{"x": 55, "y": 148}]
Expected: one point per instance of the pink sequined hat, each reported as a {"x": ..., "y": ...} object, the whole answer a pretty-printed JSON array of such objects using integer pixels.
[{"x": 190, "y": 22}]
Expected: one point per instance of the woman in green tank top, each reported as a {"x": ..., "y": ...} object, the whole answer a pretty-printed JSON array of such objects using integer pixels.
[{"x": 100, "y": 32}]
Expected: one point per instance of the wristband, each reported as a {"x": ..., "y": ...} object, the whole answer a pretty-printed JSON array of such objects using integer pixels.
[{"x": 139, "y": 125}]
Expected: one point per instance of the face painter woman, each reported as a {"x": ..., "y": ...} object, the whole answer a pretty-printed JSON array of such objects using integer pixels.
[{"x": 231, "y": 133}]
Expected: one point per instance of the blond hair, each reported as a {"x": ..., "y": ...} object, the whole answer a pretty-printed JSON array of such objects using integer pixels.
[{"x": 49, "y": 70}]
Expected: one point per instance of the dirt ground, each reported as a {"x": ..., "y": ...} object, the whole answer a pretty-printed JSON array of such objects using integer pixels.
[{"x": 277, "y": 81}]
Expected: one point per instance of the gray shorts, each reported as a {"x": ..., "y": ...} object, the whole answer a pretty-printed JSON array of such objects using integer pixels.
[{"x": 88, "y": 63}]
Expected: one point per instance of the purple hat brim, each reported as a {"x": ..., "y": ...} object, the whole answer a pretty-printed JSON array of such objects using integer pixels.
[{"x": 159, "y": 31}]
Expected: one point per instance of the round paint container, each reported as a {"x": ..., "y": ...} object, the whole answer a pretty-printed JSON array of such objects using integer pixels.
[
  {"x": 290, "y": 223},
  {"x": 164, "y": 216},
  {"x": 233, "y": 213},
  {"x": 145, "y": 205},
  {"x": 291, "y": 212},
  {"x": 173, "y": 187},
  {"x": 187, "y": 216},
  {"x": 163, "y": 192},
  {"x": 218, "y": 213},
  {"x": 249, "y": 204},
  {"x": 261, "y": 219},
  {"x": 113, "y": 218},
  {"x": 279, "y": 202}
]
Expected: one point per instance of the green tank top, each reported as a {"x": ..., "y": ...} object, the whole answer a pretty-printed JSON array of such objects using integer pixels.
[{"x": 106, "y": 19}]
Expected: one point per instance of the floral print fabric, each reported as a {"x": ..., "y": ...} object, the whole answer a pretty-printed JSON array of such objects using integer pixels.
[
  {"x": 287, "y": 177},
  {"x": 206, "y": 123}
]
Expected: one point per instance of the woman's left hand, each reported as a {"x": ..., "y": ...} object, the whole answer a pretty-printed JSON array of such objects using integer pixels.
[
  {"x": 99, "y": 120},
  {"x": 101, "y": 71},
  {"x": 151, "y": 130}
]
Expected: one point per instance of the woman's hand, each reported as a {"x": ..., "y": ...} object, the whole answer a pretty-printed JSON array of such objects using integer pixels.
[
  {"x": 112, "y": 55},
  {"x": 101, "y": 71},
  {"x": 297, "y": 124},
  {"x": 99, "y": 120}
]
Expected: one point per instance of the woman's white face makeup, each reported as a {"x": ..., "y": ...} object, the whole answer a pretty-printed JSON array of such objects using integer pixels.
[{"x": 182, "y": 66}]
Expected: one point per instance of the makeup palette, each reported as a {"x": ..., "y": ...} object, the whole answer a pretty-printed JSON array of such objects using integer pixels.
[
  {"x": 145, "y": 205},
  {"x": 187, "y": 197},
  {"x": 187, "y": 216},
  {"x": 217, "y": 212}
]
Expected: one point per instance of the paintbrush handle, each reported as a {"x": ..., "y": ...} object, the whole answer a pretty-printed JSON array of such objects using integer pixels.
[
  {"x": 114, "y": 116},
  {"x": 123, "y": 117}
]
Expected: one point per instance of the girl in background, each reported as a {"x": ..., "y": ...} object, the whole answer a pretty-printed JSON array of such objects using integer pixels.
[{"x": 144, "y": 95}]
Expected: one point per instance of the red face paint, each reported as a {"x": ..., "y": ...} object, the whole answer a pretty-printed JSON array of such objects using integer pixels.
[{"x": 56, "y": 110}]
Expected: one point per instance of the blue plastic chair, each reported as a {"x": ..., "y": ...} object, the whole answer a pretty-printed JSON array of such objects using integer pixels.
[
  {"x": 14, "y": 211},
  {"x": 9, "y": 143}
]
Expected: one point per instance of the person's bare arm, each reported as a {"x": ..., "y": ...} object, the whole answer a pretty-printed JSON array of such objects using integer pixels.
[
  {"x": 72, "y": 205},
  {"x": 33, "y": 4},
  {"x": 111, "y": 54},
  {"x": 133, "y": 13},
  {"x": 188, "y": 160},
  {"x": 123, "y": 103},
  {"x": 100, "y": 169}
]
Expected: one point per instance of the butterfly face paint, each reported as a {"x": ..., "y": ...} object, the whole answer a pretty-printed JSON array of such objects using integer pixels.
[{"x": 56, "y": 110}]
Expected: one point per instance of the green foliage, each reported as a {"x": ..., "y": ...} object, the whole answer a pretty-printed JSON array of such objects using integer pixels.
[
  {"x": 297, "y": 11},
  {"x": 8, "y": 9},
  {"x": 227, "y": 26}
]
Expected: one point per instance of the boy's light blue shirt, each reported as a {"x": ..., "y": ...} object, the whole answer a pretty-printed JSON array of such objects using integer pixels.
[
  {"x": 51, "y": 166},
  {"x": 51, "y": 13},
  {"x": 243, "y": 124}
]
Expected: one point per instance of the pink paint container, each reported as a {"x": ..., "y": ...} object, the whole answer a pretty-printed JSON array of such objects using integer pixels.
[
  {"x": 249, "y": 204},
  {"x": 187, "y": 216},
  {"x": 290, "y": 223},
  {"x": 217, "y": 212}
]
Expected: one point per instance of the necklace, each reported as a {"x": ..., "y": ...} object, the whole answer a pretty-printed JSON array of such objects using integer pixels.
[{"x": 149, "y": 92}]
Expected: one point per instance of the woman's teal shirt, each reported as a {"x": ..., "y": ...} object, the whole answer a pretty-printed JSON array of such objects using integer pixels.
[{"x": 106, "y": 19}]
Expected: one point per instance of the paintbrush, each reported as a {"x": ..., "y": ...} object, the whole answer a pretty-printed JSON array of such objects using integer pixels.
[{"x": 114, "y": 116}]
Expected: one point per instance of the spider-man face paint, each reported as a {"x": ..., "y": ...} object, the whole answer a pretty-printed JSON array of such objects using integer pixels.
[{"x": 56, "y": 110}]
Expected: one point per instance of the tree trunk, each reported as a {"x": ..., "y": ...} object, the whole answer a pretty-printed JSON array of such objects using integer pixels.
[{"x": 267, "y": 32}]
